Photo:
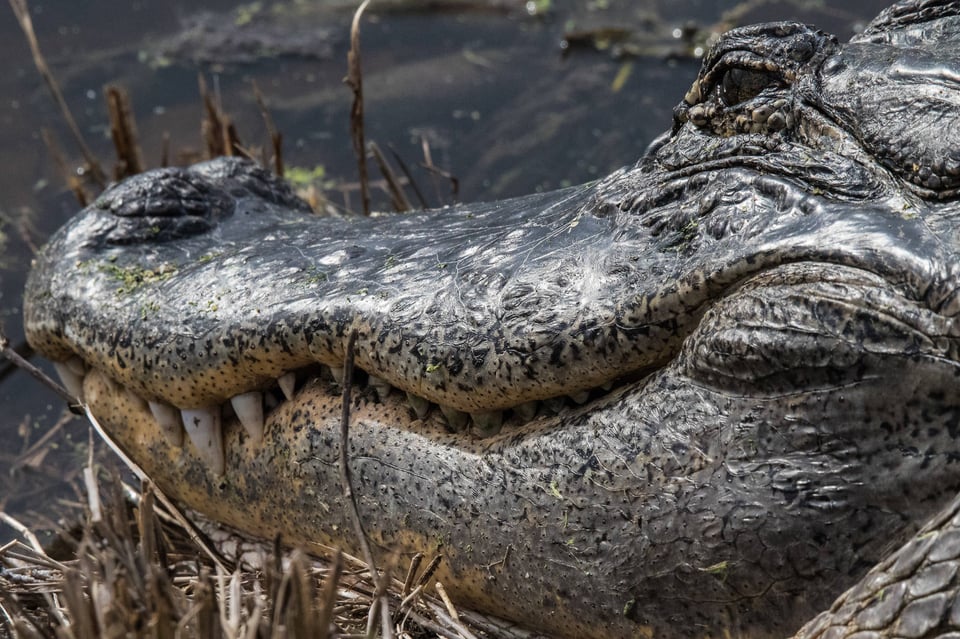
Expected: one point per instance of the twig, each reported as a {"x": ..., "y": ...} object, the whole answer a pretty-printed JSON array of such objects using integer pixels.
[
  {"x": 26, "y": 458},
  {"x": 354, "y": 80},
  {"x": 411, "y": 573},
  {"x": 430, "y": 569},
  {"x": 212, "y": 127},
  {"x": 165, "y": 150},
  {"x": 37, "y": 547},
  {"x": 386, "y": 619},
  {"x": 435, "y": 170},
  {"x": 414, "y": 594},
  {"x": 92, "y": 485},
  {"x": 446, "y": 602},
  {"x": 347, "y": 486},
  {"x": 410, "y": 180},
  {"x": 276, "y": 138},
  {"x": 327, "y": 597},
  {"x": 218, "y": 131},
  {"x": 22, "y": 14},
  {"x": 397, "y": 196},
  {"x": 69, "y": 177},
  {"x": 24, "y": 350},
  {"x": 433, "y": 627},
  {"x": 6, "y": 614},
  {"x": 35, "y": 372},
  {"x": 123, "y": 131},
  {"x": 23, "y": 530},
  {"x": 452, "y": 617}
]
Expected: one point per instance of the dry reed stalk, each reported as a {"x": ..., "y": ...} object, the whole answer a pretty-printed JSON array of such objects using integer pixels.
[
  {"x": 354, "y": 80},
  {"x": 217, "y": 130},
  {"x": 123, "y": 132},
  {"x": 276, "y": 137},
  {"x": 397, "y": 197},
  {"x": 70, "y": 178},
  {"x": 380, "y": 603},
  {"x": 22, "y": 13},
  {"x": 437, "y": 171},
  {"x": 410, "y": 180}
]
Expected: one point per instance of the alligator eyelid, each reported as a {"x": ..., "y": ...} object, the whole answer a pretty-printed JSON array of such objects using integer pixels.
[{"x": 744, "y": 61}]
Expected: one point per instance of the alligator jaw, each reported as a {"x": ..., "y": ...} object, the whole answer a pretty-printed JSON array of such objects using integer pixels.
[
  {"x": 288, "y": 486},
  {"x": 249, "y": 413}
]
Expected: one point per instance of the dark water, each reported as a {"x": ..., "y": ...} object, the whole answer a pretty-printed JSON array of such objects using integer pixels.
[{"x": 501, "y": 105}]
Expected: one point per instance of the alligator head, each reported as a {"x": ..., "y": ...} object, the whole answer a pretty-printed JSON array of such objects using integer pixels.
[{"x": 705, "y": 393}]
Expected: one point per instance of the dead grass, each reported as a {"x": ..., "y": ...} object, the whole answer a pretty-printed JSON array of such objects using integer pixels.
[{"x": 127, "y": 567}]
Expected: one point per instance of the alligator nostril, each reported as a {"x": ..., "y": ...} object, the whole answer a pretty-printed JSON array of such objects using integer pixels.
[
  {"x": 169, "y": 192},
  {"x": 162, "y": 205}
]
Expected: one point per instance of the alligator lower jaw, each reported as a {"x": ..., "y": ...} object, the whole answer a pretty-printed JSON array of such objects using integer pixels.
[
  {"x": 288, "y": 486},
  {"x": 184, "y": 470}
]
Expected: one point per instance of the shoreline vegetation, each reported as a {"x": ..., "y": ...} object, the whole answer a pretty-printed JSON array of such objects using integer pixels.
[{"x": 129, "y": 566}]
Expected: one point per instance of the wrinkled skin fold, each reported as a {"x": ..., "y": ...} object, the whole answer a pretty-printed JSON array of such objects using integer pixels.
[{"x": 704, "y": 395}]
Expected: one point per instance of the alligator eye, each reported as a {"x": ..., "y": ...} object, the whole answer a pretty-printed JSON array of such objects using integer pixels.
[{"x": 739, "y": 85}]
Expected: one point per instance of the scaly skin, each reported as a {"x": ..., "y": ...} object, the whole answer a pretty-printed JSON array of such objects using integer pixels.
[{"x": 771, "y": 290}]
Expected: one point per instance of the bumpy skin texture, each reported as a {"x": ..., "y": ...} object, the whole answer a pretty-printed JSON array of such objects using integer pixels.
[
  {"x": 913, "y": 593},
  {"x": 772, "y": 289}
]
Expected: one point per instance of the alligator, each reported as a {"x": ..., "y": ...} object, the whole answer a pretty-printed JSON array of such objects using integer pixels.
[{"x": 702, "y": 396}]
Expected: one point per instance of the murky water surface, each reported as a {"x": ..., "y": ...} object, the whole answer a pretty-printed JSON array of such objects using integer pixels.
[{"x": 486, "y": 83}]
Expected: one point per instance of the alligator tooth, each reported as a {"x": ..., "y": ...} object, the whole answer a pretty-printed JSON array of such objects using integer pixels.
[
  {"x": 337, "y": 372},
  {"x": 487, "y": 423},
  {"x": 580, "y": 397},
  {"x": 456, "y": 419},
  {"x": 527, "y": 410},
  {"x": 203, "y": 428},
  {"x": 168, "y": 418},
  {"x": 287, "y": 384},
  {"x": 380, "y": 386},
  {"x": 607, "y": 386},
  {"x": 419, "y": 405},
  {"x": 71, "y": 380},
  {"x": 249, "y": 410}
]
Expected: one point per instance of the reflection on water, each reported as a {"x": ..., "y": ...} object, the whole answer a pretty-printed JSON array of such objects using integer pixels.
[{"x": 484, "y": 83}]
